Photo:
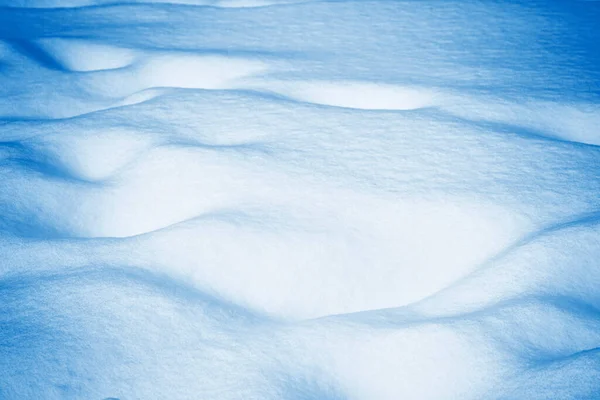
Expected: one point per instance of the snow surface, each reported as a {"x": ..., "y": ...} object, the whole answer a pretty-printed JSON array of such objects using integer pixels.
[{"x": 299, "y": 199}]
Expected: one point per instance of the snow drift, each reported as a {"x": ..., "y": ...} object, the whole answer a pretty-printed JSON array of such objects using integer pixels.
[{"x": 299, "y": 200}]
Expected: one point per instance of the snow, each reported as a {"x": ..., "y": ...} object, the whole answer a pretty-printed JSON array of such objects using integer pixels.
[{"x": 299, "y": 199}]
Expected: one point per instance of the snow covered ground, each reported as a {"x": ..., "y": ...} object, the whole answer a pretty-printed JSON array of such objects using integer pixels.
[{"x": 288, "y": 199}]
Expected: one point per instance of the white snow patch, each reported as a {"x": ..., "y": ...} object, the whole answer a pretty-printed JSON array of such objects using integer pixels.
[
  {"x": 85, "y": 55},
  {"x": 360, "y": 95}
]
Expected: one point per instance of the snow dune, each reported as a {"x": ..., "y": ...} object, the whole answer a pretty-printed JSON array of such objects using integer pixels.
[{"x": 299, "y": 200}]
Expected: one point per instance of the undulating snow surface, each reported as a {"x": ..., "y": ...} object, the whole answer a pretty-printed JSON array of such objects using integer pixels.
[{"x": 280, "y": 199}]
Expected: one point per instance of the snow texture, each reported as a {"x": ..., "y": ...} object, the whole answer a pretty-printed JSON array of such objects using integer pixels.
[{"x": 279, "y": 199}]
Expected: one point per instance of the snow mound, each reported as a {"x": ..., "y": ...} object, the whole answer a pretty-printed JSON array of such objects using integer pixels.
[
  {"x": 85, "y": 56},
  {"x": 299, "y": 200}
]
